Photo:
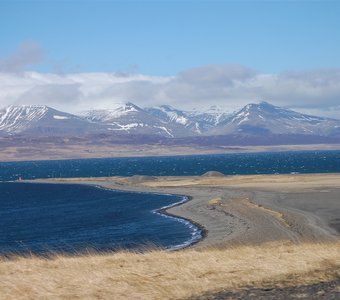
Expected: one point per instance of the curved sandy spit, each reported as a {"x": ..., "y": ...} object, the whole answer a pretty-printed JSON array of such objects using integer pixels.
[{"x": 245, "y": 209}]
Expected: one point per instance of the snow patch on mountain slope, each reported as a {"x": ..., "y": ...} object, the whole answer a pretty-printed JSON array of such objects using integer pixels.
[
  {"x": 56, "y": 117},
  {"x": 212, "y": 116},
  {"x": 14, "y": 119},
  {"x": 166, "y": 130},
  {"x": 116, "y": 111},
  {"x": 172, "y": 114}
]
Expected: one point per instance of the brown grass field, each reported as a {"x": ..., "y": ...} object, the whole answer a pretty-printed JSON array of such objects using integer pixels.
[
  {"x": 50, "y": 150},
  {"x": 159, "y": 274}
]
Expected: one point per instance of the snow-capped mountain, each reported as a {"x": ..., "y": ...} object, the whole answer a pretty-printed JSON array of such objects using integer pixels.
[
  {"x": 171, "y": 115},
  {"x": 209, "y": 118},
  {"x": 40, "y": 119},
  {"x": 116, "y": 111},
  {"x": 165, "y": 122},
  {"x": 129, "y": 118},
  {"x": 264, "y": 118},
  {"x": 214, "y": 115},
  {"x": 196, "y": 121},
  {"x": 14, "y": 119}
]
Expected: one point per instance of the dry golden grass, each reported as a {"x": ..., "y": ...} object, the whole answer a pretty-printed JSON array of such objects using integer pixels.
[
  {"x": 215, "y": 201},
  {"x": 271, "y": 182},
  {"x": 68, "y": 150},
  {"x": 167, "y": 275}
]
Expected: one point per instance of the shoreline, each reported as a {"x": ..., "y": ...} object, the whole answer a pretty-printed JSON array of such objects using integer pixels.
[
  {"x": 163, "y": 211},
  {"x": 250, "y": 209},
  {"x": 203, "y": 231}
]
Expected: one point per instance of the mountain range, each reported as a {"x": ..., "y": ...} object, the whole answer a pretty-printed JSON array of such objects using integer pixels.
[{"x": 255, "y": 123}]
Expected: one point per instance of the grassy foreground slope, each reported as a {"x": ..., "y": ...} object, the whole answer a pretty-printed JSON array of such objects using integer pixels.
[{"x": 160, "y": 274}]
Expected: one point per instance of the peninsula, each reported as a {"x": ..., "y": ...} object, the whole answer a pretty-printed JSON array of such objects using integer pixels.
[{"x": 276, "y": 234}]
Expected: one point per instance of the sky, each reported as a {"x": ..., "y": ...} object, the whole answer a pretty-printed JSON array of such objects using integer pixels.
[{"x": 75, "y": 55}]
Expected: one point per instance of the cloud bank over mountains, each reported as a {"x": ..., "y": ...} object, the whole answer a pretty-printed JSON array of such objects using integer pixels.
[{"x": 229, "y": 86}]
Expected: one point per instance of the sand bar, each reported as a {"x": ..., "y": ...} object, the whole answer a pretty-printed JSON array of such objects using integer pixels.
[{"x": 245, "y": 209}]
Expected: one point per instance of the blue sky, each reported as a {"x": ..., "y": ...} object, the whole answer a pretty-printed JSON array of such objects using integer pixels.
[
  {"x": 166, "y": 37},
  {"x": 81, "y": 54}
]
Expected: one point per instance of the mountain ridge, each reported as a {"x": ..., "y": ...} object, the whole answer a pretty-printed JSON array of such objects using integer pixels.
[
  {"x": 265, "y": 118},
  {"x": 40, "y": 119},
  {"x": 253, "y": 120}
]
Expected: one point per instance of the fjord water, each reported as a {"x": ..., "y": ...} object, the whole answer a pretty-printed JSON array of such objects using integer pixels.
[
  {"x": 41, "y": 218},
  {"x": 229, "y": 164},
  {"x": 71, "y": 218}
]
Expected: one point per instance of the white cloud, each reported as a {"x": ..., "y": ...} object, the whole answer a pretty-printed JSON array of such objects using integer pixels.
[
  {"x": 229, "y": 86},
  {"x": 51, "y": 93}
]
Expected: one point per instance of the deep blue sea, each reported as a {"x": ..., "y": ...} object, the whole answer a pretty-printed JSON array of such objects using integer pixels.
[
  {"x": 229, "y": 164},
  {"x": 40, "y": 218}
]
